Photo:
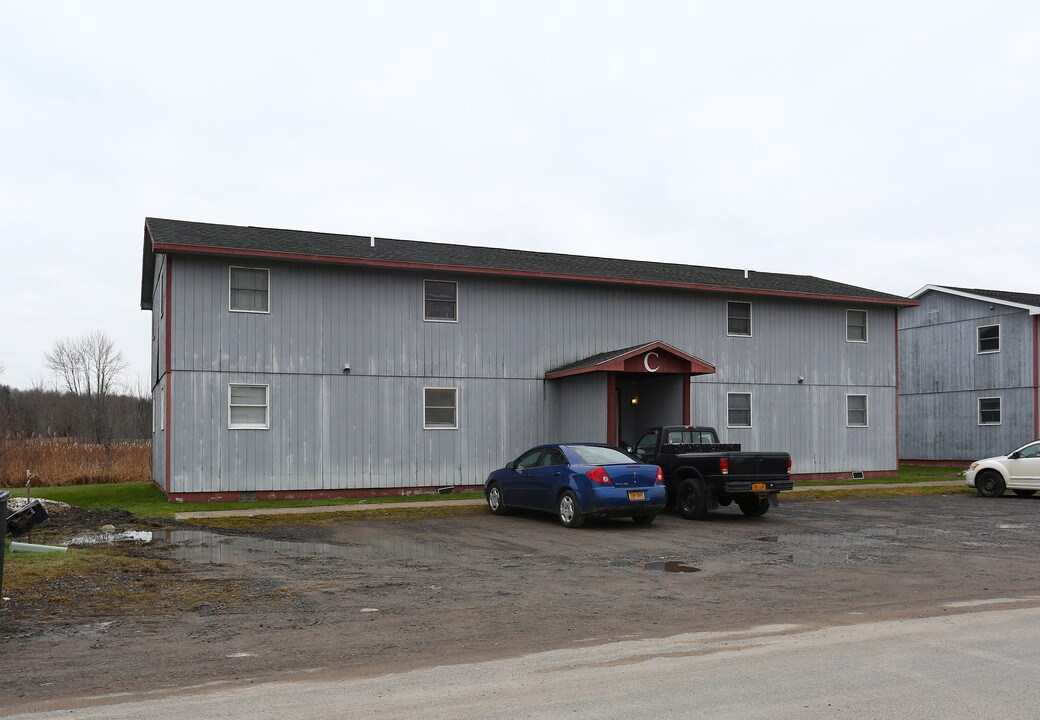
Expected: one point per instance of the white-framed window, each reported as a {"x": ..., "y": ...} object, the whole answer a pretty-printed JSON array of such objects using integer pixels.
[
  {"x": 440, "y": 301},
  {"x": 988, "y": 338},
  {"x": 249, "y": 289},
  {"x": 440, "y": 408},
  {"x": 248, "y": 407},
  {"x": 738, "y": 318},
  {"x": 856, "y": 411},
  {"x": 989, "y": 411},
  {"x": 738, "y": 409},
  {"x": 856, "y": 326}
]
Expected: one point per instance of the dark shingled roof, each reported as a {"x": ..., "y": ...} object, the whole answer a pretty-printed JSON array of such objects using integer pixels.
[
  {"x": 1015, "y": 297},
  {"x": 596, "y": 359},
  {"x": 177, "y": 236}
]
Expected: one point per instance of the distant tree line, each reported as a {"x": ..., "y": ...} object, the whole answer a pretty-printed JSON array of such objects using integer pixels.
[
  {"x": 49, "y": 413},
  {"x": 86, "y": 397}
]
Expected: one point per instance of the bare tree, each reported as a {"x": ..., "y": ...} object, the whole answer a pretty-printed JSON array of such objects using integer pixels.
[{"x": 91, "y": 369}]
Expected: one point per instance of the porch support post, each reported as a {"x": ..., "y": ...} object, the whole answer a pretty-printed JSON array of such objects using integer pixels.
[
  {"x": 612, "y": 420},
  {"x": 686, "y": 400}
]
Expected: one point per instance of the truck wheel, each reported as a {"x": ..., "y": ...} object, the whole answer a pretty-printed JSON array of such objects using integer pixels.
[
  {"x": 754, "y": 506},
  {"x": 494, "y": 499},
  {"x": 693, "y": 499},
  {"x": 990, "y": 484},
  {"x": 569, "y": 510}
]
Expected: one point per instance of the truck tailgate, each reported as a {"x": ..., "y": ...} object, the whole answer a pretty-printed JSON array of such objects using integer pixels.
[{"x": 763, "y": 465}]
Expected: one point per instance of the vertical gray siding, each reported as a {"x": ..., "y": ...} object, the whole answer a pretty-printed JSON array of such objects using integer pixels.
[
  {"x": 942, "y": 376},
  {"x": 158, "y": 370},
  {"x": 579, "y": 407},
  {"x": 331, "y": 431}
]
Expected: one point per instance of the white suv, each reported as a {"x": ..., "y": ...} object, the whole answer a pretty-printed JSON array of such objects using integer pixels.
[{"x": 1018, "y": 472}]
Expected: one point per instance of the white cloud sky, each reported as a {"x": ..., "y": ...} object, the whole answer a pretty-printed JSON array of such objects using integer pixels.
[{"x": 887, "y": 145}]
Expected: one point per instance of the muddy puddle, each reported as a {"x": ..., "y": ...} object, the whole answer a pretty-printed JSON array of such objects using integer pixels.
[
  {"x": 209, "y": 547},
  {"x": 824, "y": 549},
  {"x": 669, "y": 566}
]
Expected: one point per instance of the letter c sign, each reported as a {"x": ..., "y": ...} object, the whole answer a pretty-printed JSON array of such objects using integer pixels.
[{"x": 646, "y": 362}]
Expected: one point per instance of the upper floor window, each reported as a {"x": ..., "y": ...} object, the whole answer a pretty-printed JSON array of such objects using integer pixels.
[
  {"x": 440, "y": 300},
  {"x": 248, "y": 407},
  {"x": 738, "y": 410},
  {"x": 989, "y": 411},
  {"x": 249, "y": 290},
  {"x": 856, "y": 411},
  {"x": 856, "y": 326},
  {"x": 989, "y": 339},
  {"x": 738, "y": 319},
  {"x": 440, "y": 408}
]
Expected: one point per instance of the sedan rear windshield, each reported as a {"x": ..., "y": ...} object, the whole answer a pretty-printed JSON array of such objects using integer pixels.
[{"x": 596, "y": 455}]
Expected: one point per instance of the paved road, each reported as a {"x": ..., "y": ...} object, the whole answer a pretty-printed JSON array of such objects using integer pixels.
[{"x": 978, "y": 661}]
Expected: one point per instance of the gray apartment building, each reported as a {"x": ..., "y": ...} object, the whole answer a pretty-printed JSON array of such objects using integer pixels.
[
  {"x": 969, "y": 374},
  {"x": 302, "y": 364}
]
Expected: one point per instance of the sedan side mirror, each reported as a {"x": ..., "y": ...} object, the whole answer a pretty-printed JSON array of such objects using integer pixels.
[
  {"x": 511, "y": 464},
  {"x": 1014, "y": 456}
]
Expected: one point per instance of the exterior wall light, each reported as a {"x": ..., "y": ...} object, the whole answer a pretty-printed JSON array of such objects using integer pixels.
[{"x": 635, "y": 399}]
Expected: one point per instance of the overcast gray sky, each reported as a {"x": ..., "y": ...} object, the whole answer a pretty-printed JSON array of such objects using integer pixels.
[{"x": 887, "y": 145}]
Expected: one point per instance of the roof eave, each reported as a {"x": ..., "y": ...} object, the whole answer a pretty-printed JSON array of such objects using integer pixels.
[
  {"x": 1033, "y": 309},
  {"x": 147, "y": 269},
  {"x": 406, "y": 265}
]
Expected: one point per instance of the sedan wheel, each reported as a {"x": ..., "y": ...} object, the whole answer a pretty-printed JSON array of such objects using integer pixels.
[
  {"x": 569, "y": 510},
  {"x": 494, "y": 499},
  {"x": 990, "y": 484}
]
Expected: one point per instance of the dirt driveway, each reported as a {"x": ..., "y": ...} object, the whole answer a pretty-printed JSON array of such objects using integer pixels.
[{"x": 364, "y": 596}]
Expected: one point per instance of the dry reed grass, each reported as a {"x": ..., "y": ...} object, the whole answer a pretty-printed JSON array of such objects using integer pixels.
[{"x": 56, "y": 462}]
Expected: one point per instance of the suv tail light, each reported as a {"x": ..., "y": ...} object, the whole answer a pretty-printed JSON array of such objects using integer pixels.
[
  {"x": 598, "y": 475},
  {"x": 660, "y": 475},
  {"x": 724, "y": 466}
]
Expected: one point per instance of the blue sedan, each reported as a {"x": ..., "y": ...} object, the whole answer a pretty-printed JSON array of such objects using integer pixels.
[{"x": 576, "y": 481}]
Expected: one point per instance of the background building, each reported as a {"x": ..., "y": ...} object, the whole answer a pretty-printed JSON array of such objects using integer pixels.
[
  {"x": 298, "y": 363},
  {"x": 969, "y": 380}
]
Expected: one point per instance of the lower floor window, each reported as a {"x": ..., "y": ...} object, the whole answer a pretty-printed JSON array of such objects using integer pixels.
[
  {"x": 856, "y": 410},
  {"x": 989, "y": 411},
  {"x": 440, "y": 408},
  {"x": 248, "y": 407},
  {"x": 738, "y": 409}
]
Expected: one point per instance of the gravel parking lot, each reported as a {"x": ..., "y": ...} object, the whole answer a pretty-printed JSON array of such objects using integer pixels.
[{"x": 360, "y": 597}]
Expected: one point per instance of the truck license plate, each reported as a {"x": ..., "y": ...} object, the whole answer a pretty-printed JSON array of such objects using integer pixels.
[
  {"x": 758, "y": 487},
  {"x": 636, "y": 495}
]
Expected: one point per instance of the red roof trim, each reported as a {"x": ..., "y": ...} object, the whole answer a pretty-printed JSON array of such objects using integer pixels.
[
  {"x": 195, "y": 250},
  {"x": 617, "y": 363}
]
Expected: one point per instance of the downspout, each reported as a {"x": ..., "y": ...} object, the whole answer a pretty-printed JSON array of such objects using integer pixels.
[
  {"x": 169, "y": 376},
  {"x": 1036, "y": 376},
  {"x": 896, "y": 318}
]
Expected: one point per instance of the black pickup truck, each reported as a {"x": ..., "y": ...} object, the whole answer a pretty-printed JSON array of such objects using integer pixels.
[{"x": 701, "y": 473}]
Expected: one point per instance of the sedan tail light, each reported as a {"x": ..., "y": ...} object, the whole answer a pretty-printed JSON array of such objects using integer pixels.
[
  {"x": 660, "y": 475},
  {"x": 724, "y": 466},
  {"x": 598, "y": 475}
]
